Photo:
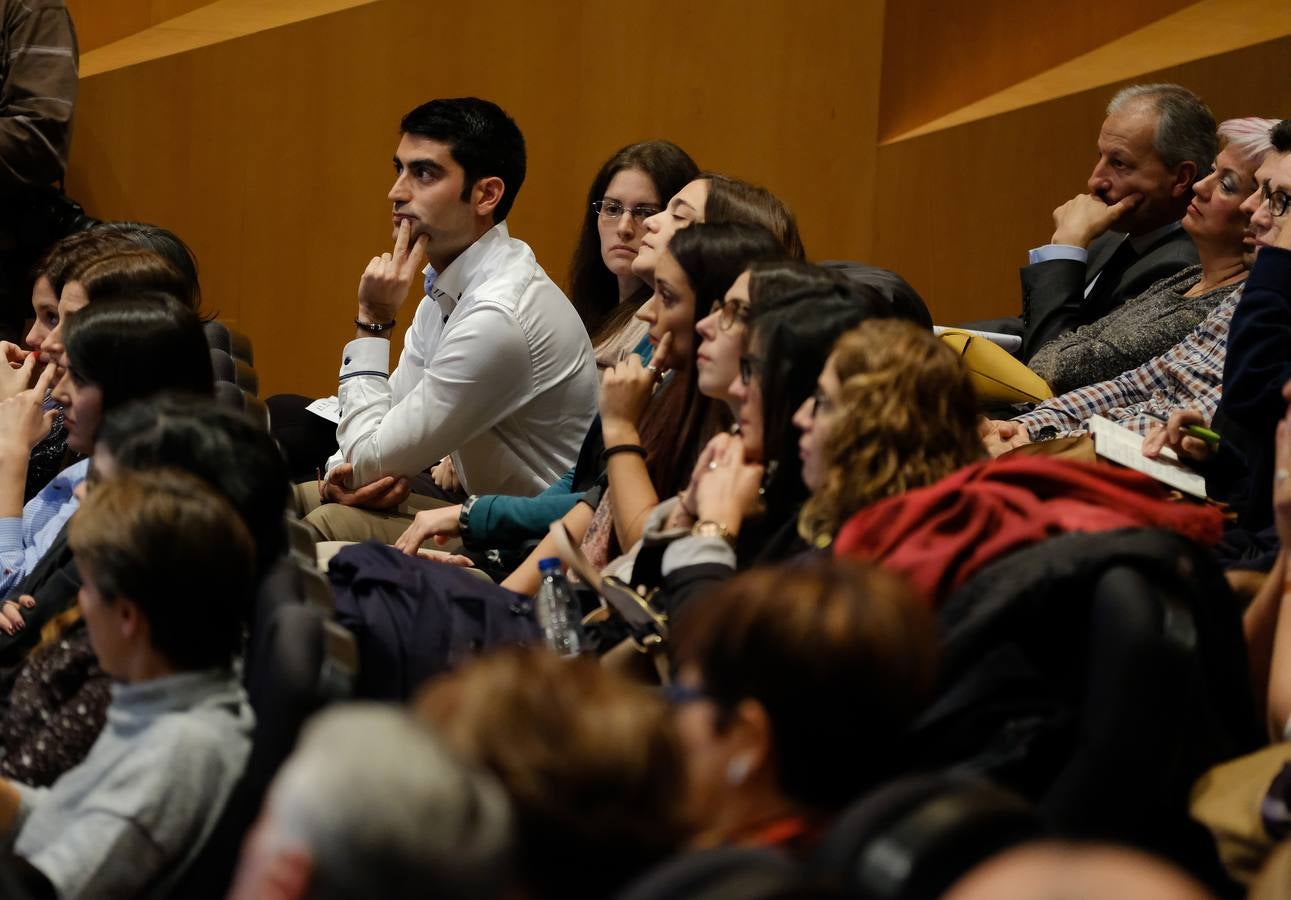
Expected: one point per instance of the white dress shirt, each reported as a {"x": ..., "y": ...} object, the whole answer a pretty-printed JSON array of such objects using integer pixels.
[{"x": 497, "y": 370}]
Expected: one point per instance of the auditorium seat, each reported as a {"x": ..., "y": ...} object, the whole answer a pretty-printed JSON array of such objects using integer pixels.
[
  {"x": 912, "y": 838},
  {"x": 745, "y": 872},
  {"x": 220, "y": 337},
  {"x": 302, "y": 662}
]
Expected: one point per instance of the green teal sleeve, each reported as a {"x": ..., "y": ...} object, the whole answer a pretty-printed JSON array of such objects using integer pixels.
[{"x": 498, "y": 520}]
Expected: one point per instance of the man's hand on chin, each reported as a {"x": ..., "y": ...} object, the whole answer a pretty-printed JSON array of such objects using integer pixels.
[
  {"x": 387, "y": 279},
  {"x": 1085, "y": 217},
  {"x": 384, "y": 493}
]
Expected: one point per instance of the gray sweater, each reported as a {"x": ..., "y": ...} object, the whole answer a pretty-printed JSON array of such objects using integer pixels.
[
  {"x": 128, "y": 820},
  {"x": 1129, "y": 335}
]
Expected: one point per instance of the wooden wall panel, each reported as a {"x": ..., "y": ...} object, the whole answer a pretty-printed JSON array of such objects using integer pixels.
[
  {"x": 957, "y": 210},
  {"x": 100, "y": 22},
  {"x": 271, "y": 153},
  {"x": 938, "y": 56}
]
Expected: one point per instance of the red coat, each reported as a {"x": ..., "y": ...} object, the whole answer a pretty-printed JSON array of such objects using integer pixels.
[{"x": 938, "y": 536}]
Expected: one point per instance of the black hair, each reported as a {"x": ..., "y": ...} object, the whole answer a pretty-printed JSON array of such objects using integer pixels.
[
  {"x": 713, "y": 254},
  {"x": 1280, "y": 135},
  {"x": 483, "y": 140},
  {"x": 593, "y": 289},
  {"x": 222, "y": 446},
  {"x": 139, "y": 346},
  {"x": 905, "y": 300},
  {"x": 796, "y": 313}
]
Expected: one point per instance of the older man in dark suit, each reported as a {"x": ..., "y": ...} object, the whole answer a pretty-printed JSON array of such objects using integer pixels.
[{"x": 1112, "y": 243}]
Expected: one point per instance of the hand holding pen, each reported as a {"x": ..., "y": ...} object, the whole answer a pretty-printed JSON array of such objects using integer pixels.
[{"x": 1185, "y": 432}]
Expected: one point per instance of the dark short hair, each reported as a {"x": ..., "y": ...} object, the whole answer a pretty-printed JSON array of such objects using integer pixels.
[
  {"x": 483, "y": 140},
  {"x": 593, "y": 289},
  {"x": 175, "y": 547},
  {"x": 222, "y": 446},
  {"x": 1280, "y": 135},
  {"x": 839, "y": 654},
  {"x": 139, "y": 346}
]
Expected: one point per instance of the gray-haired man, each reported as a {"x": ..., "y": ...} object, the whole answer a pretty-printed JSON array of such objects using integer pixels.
[
  {"x": 1116, "y": 240},
  {"x": 371, "y": 805}
]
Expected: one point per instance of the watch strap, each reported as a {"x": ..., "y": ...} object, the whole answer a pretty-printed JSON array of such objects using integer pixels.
[{"x": 377, "y": 328}]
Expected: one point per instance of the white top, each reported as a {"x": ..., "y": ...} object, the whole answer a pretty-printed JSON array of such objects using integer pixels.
[{"x": 496, "y": 370}]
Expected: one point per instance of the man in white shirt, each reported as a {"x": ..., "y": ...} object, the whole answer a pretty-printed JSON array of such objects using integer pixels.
[{"x": 497, "y": 370}]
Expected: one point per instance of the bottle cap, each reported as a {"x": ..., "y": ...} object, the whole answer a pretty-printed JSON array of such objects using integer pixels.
[{"x": 549, "y": 563}]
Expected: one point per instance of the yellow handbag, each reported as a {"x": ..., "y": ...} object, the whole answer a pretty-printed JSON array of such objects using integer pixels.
[{"x": 996, "y": 375}]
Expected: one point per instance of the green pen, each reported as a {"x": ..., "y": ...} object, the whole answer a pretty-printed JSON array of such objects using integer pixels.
[{"x": 1204, "y": 434}]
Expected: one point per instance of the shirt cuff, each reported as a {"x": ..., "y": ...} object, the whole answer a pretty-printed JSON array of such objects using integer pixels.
[
  {"x": 366, "y": 356},
  {"x": 694, "y": 550},
  {"x": 1050, "y": 252}
]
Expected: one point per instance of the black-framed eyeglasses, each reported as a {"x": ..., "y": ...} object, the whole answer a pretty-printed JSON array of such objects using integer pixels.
[
  {"x": 1278, "y": 201},
  {"x": 748, "y": 365},
  {"x": 729, "y": 312},
  {"x": 820, "y": 402},
  {"x": 613, "y": 209}
]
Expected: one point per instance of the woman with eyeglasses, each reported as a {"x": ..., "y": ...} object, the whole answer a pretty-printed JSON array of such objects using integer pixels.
[
  {"x": 741, "y": 506},
  {"x": 630, "y": 187},
  {"x": 795, "y": 687},
  {"x": 652, "y": 438}
]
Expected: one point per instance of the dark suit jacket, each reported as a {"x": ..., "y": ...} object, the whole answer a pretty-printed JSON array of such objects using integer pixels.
[{"x": 1053, "y": 292}]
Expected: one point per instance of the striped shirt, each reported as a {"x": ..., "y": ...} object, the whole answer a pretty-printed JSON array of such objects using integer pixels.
[{"x": 39, "y": 61}]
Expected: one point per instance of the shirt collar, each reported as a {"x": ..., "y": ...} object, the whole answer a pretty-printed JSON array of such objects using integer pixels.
[{"x": 446, "y": 288}]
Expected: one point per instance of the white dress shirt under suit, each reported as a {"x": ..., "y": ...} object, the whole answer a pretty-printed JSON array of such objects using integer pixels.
[{"x": 497, "y": 370}]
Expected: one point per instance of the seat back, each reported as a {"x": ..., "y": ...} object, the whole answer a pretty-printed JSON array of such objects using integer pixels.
[
  {"x": 724, "y": 872},
  {"x": 233, "y": 342},
  {"x": 245, "y": 377},
  {"x": 914, "y": 837},
  {"x": 304, "y": 663},
  {"x": 1098, "y": 675},
  {"x": 222, "y": 365}
]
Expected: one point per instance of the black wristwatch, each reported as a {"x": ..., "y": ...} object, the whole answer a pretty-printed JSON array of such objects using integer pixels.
[{"x": 375, "y": 328}]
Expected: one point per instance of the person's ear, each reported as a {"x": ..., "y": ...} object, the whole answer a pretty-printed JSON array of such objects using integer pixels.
[
  {"x": 749, "y": 742},
  {"x": 486, "y": 195},
  {"x": 1184, "y": 175},
  {"x": 129, "y": 617}
]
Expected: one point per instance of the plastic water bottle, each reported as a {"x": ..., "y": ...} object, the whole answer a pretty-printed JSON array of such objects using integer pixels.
[{"x": 557, "y": 611}]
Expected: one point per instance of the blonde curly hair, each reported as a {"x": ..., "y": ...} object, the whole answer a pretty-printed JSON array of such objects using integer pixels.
[{"x": 906, "y": 419}]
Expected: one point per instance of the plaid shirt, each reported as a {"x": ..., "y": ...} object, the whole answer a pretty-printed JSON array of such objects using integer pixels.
[{"x": 1188, "y": 375}]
